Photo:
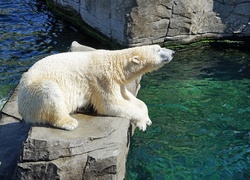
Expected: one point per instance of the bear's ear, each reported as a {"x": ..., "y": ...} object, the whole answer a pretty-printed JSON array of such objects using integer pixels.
[{"x": 136, "y": 59}]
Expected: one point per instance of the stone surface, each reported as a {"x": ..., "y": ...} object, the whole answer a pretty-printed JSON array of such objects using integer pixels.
[
  {"x": 140, "y": 22},
  {"x": 96, "y": 149},
  {"x": 75, "y": 47}
]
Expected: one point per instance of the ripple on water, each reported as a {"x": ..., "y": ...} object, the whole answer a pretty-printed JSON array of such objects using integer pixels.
[
  {"x": 23, "y": 26},
  {"x": 29, "y": 31},
  {"x": 199, "y": 105}
]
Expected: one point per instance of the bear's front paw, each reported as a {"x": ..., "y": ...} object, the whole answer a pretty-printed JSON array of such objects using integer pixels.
[
  {"x": 141, "y": 125},
  {"x": 67, "y": 124},
  {"x": 148, "y": 122}
]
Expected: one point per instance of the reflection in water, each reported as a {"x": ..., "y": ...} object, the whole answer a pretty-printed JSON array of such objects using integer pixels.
[{"x": 199, "y": 105}]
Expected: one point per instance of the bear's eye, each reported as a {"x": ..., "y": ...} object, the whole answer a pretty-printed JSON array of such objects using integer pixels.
[{"x": 158, "y": 50}]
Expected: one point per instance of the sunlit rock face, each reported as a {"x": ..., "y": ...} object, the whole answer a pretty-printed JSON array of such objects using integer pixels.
[{"x": 142, "y": 22}]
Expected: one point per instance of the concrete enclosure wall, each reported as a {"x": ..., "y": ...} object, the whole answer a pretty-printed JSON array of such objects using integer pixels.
[{"x": 137, "y": 22}]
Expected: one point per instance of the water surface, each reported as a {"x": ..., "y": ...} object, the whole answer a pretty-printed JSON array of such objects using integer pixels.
[
  {"x": 199, "y": 105},
  {"x": 29, "y": 32}
]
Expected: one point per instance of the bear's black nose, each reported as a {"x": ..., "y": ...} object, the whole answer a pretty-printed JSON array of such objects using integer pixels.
[{"x": 173, "y": 52}]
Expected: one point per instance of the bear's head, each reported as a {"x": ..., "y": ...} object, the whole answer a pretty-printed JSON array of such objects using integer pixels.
[{"x": 147, "y": 58}]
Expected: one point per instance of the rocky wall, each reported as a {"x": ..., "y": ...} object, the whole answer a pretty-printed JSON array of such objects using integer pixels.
[{"x": 138, "y": 22}]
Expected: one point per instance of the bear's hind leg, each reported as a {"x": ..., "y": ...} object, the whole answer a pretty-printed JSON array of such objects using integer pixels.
[
  {"x": 50, "y": 105},
  {"x": 57, "y": 110}
]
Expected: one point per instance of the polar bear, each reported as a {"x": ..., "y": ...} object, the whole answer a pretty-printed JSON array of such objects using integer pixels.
[{"x": 58, "y": 85}]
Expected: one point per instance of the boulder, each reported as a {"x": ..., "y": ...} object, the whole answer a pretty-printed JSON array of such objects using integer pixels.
[{"x": 96, "y": 149}]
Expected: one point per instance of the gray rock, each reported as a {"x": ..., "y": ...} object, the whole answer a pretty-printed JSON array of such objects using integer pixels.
[
  {"x": 96, "y": 149},
  {"x": 140, "y": 22},
  {"x": 76, "y": 47}
]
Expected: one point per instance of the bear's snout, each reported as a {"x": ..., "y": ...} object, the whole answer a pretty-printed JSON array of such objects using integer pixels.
[
  {"x": 172, "y": 53},
  {"x": 166, "y": 55}
]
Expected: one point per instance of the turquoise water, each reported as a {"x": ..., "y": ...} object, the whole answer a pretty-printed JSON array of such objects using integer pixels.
[{"x": 199, "y": 103}]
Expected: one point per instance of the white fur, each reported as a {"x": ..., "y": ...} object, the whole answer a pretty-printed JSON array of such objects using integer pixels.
[{"x": 59, "y": 84}]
